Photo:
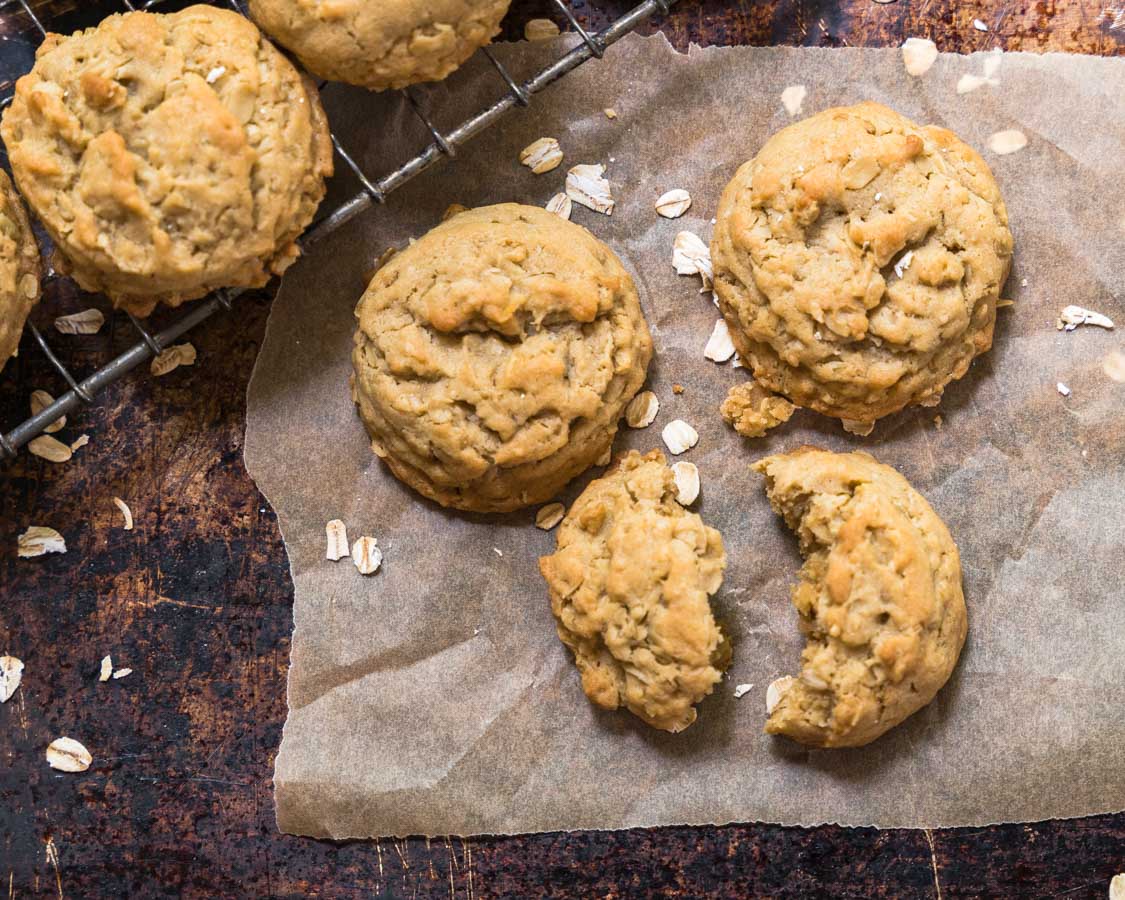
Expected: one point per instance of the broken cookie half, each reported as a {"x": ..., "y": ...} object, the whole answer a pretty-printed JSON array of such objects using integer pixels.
[
  {"x": 879, "y": 597},
  {"x": 630, "y": 587}
]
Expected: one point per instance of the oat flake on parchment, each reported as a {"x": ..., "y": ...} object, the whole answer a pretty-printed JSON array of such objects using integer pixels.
[
  {"x": 561, "y": 205},
  {"x": 1073, "y": 316},
  {"x": 793, "y": 97},
  {"x": 720, "y": 347},
  {"x": 366, "y": 555},
  {"x": 690, "y": 256},
  {"x": 1004, "y": 142},
  {"x": 586, "y": 184},
  {"x": 674, "y": 203},
  {"x": 549, "y": 516},
  {"x": 642, "y": 410},
  {"x": 775, "y": 690},
  {"x": 679, "y": 437},
  {"x": 918, "y": 54},
  {"x": 336, "y": 536},
  {"x": 741, "y": 690},
  {"x": 542, "y": 156}
]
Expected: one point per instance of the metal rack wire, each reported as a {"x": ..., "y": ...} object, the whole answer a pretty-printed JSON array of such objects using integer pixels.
[{"x": 593, "y": 45}]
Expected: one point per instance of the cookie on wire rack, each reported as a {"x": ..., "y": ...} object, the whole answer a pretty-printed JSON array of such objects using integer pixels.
[
  {"x": 168, "y": 155},
  {"x": 19, "y": 269}
]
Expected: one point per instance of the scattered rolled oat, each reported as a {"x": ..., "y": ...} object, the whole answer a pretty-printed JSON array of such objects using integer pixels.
[
  {"x": 549, "y": 516},
  {"x": 79, "y": 442},
  {"x": 49, "y": 448},
  {"x": 775, "y": 690},
  {"x": 1117, "y": 887},
  {"x": 11, "y": 673},
  {"x": 40, "y": 400},
  {"x": 690, "y": 256},
  {"x": 741, "y": 690},
  {"x": 1062, "y": 389},
  {"x": 175, "y": 356},
  {"x": 1004, "y": 142},
  {"x": 674, "y": 203},
  {"x": 992, "y": 62},
  {"x": 677, "y": 389},
  {"x": 106, "y": 669},
  {"x": 642, "y": 410},
  {"x": 215, "y": 74},
  {"x": 1073, "y": 316},
  {"x": 126, "y": 513},
  {"x": 792, "y": 98},
  {"x": 121, "y": 673},
  {"x": 979, "y": 25},
  {"x": 561, "y": 205},
  {"x": 687, "y": 482},
  {"x": 89, "y": 321},
  {"x": 586, "y": 184},
  {"x": 67, "y": 755},
  {"x": 918, "y": 54},
  {"x": 968, "y": 82},
  {"x": 337, "y": 535},
  {"x": 720, "y": 347},
  {"x": 1114, "y": 366},
  {"x": 540, "y": 30},
  {"x": 610, "y": 112},
  {"x": 366, "y": 555},
  {"x": 679, "y": 437},
  {"x": 498, "y": 552},
  {"x": 857, "y": 427},
  {"x": 38, "y": 540},
  {"x": 542, "y": 155}
]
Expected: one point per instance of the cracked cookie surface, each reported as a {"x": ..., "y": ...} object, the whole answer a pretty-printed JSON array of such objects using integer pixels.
[
  {"x": 495, "y": 356},
  {"x": 380, "y": 45},
  {"x": 630, "y": 587},
  {"x": 19, "y": 268},
  {"x": 879, "y": 597},
  {"x": 168, "y": 155},
  {"x": 858, "y": 260}
]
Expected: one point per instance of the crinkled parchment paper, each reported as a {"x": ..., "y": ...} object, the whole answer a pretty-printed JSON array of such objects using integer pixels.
[{"x": 434, "y": 697}]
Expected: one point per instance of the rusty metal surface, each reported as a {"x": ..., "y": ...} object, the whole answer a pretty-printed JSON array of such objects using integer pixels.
[{"x": 197, "y": 600}]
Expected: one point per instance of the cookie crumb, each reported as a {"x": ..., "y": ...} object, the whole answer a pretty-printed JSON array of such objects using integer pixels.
[
  {"x": 610, "y": 112},
  {"x": 677, "y": 389},
  {"x": 938, "y": 422},
  {"x": 751, "y": 410},
  {"x": 1062, "y": 389},
  {"x": 857, "y": 427}
]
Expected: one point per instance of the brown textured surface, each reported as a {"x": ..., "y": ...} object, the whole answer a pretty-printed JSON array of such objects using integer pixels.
[{"x": 196, "y": 600}]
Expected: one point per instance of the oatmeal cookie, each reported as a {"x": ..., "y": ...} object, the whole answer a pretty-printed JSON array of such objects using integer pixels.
[
  {"x": 879, "y": 597},
  {"x": 495, "y": 356},
  {"x": 380, "y": 45},
  {"x": 630, "y": 587},
  {"x": 751, "y": 410},
  {"x": 168, "y": 155},
  {"x": 19, "y": 269},
  {"x": 858, "y": 259}
]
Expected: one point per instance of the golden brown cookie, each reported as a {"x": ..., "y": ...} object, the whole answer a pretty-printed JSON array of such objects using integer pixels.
[
  {"x": 879, "y": 597},
  {"x": 495, "y": 356},
  {"x": 19, "y": 268},
  {"x": 858, "y": 259},
  {"x": 630, "y": 587},
  {"x": 168, "y": 155},
  {"x": 384, "y": 44}
]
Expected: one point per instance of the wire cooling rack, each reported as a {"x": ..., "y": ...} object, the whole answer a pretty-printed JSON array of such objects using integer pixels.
[{"x": 372, "y": 192}]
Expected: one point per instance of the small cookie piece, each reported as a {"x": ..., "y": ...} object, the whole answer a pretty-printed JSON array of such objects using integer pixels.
[
  {"x": 495, "y": 356},
  {"x": 751, "y": 410},
  {"x": 19, "y": 268},
  {"x": 858, "y": 259},
  {"x": 168, "y": 155},
  {"x": 630, "y": 587},
  {"x": 879, "y": 597},
  {"x": 384, "y": 44}
]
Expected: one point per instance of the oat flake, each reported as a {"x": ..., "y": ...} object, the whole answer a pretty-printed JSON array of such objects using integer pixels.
[
  {"x": 642, "y": 410},
  {"x": 11, "y": 673},
  {"x": 68, "y": 755}
]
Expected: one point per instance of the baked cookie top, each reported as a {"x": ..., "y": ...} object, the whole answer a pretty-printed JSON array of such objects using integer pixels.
[
  {"x": 630, "y": 587},
  {"x": 388, "y": 44},
  {"x": 858, "y": 259},
  {"x": 168, "y": 155},
  {"x": 495, "y": 355},
  {"x": 19, "y": 268},
  {"x": 879, "y": 597}
]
